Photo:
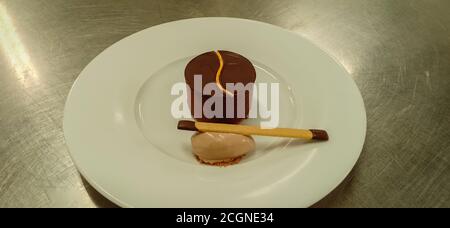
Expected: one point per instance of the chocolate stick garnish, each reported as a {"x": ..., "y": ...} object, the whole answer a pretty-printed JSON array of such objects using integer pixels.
[{"x": 253, "y": 130}]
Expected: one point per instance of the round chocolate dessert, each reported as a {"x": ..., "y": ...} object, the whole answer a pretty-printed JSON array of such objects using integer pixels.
[{"x": 222, "y": 68}]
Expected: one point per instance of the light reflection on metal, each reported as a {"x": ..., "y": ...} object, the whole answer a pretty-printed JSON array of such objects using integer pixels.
[{"x": 14, "y": 49}]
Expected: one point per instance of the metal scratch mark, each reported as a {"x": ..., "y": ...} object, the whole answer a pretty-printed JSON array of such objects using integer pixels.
[
  {"x": 428, "y": 79},
  {"x": 401, "y": 71},
  {"x": 415, "y": 87},
  {"x": 405, "y": 110}
]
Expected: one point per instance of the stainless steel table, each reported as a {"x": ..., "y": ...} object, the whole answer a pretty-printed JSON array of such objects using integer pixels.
[{"x": 398, "y": 52}]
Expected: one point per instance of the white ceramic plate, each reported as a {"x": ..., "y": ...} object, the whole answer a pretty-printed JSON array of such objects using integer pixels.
[{"x": 124, "y": 141}]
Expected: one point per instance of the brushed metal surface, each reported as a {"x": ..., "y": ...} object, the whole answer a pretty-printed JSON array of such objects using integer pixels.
[{"x": 398, "y": 52}]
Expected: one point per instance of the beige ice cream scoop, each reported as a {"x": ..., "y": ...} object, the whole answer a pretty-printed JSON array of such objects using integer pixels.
[{"x": 221, "y": 148}]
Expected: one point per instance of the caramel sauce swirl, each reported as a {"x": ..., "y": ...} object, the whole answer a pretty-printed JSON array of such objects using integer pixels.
[{"x": 219, "y": 73}]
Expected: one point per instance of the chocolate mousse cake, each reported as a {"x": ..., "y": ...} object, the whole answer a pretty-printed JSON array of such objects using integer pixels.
[{"x": 221, "y": 68}]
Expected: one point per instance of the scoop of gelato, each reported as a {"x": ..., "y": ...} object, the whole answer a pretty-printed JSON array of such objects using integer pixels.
[{"x": 221, "y": 148}]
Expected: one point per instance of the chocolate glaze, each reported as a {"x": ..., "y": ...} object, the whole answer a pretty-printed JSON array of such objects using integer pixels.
[{"x": 236, "y": 69}]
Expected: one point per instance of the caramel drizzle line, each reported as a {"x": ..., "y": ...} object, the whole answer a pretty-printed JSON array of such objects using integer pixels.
[{"x": 219, "y": 73}]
